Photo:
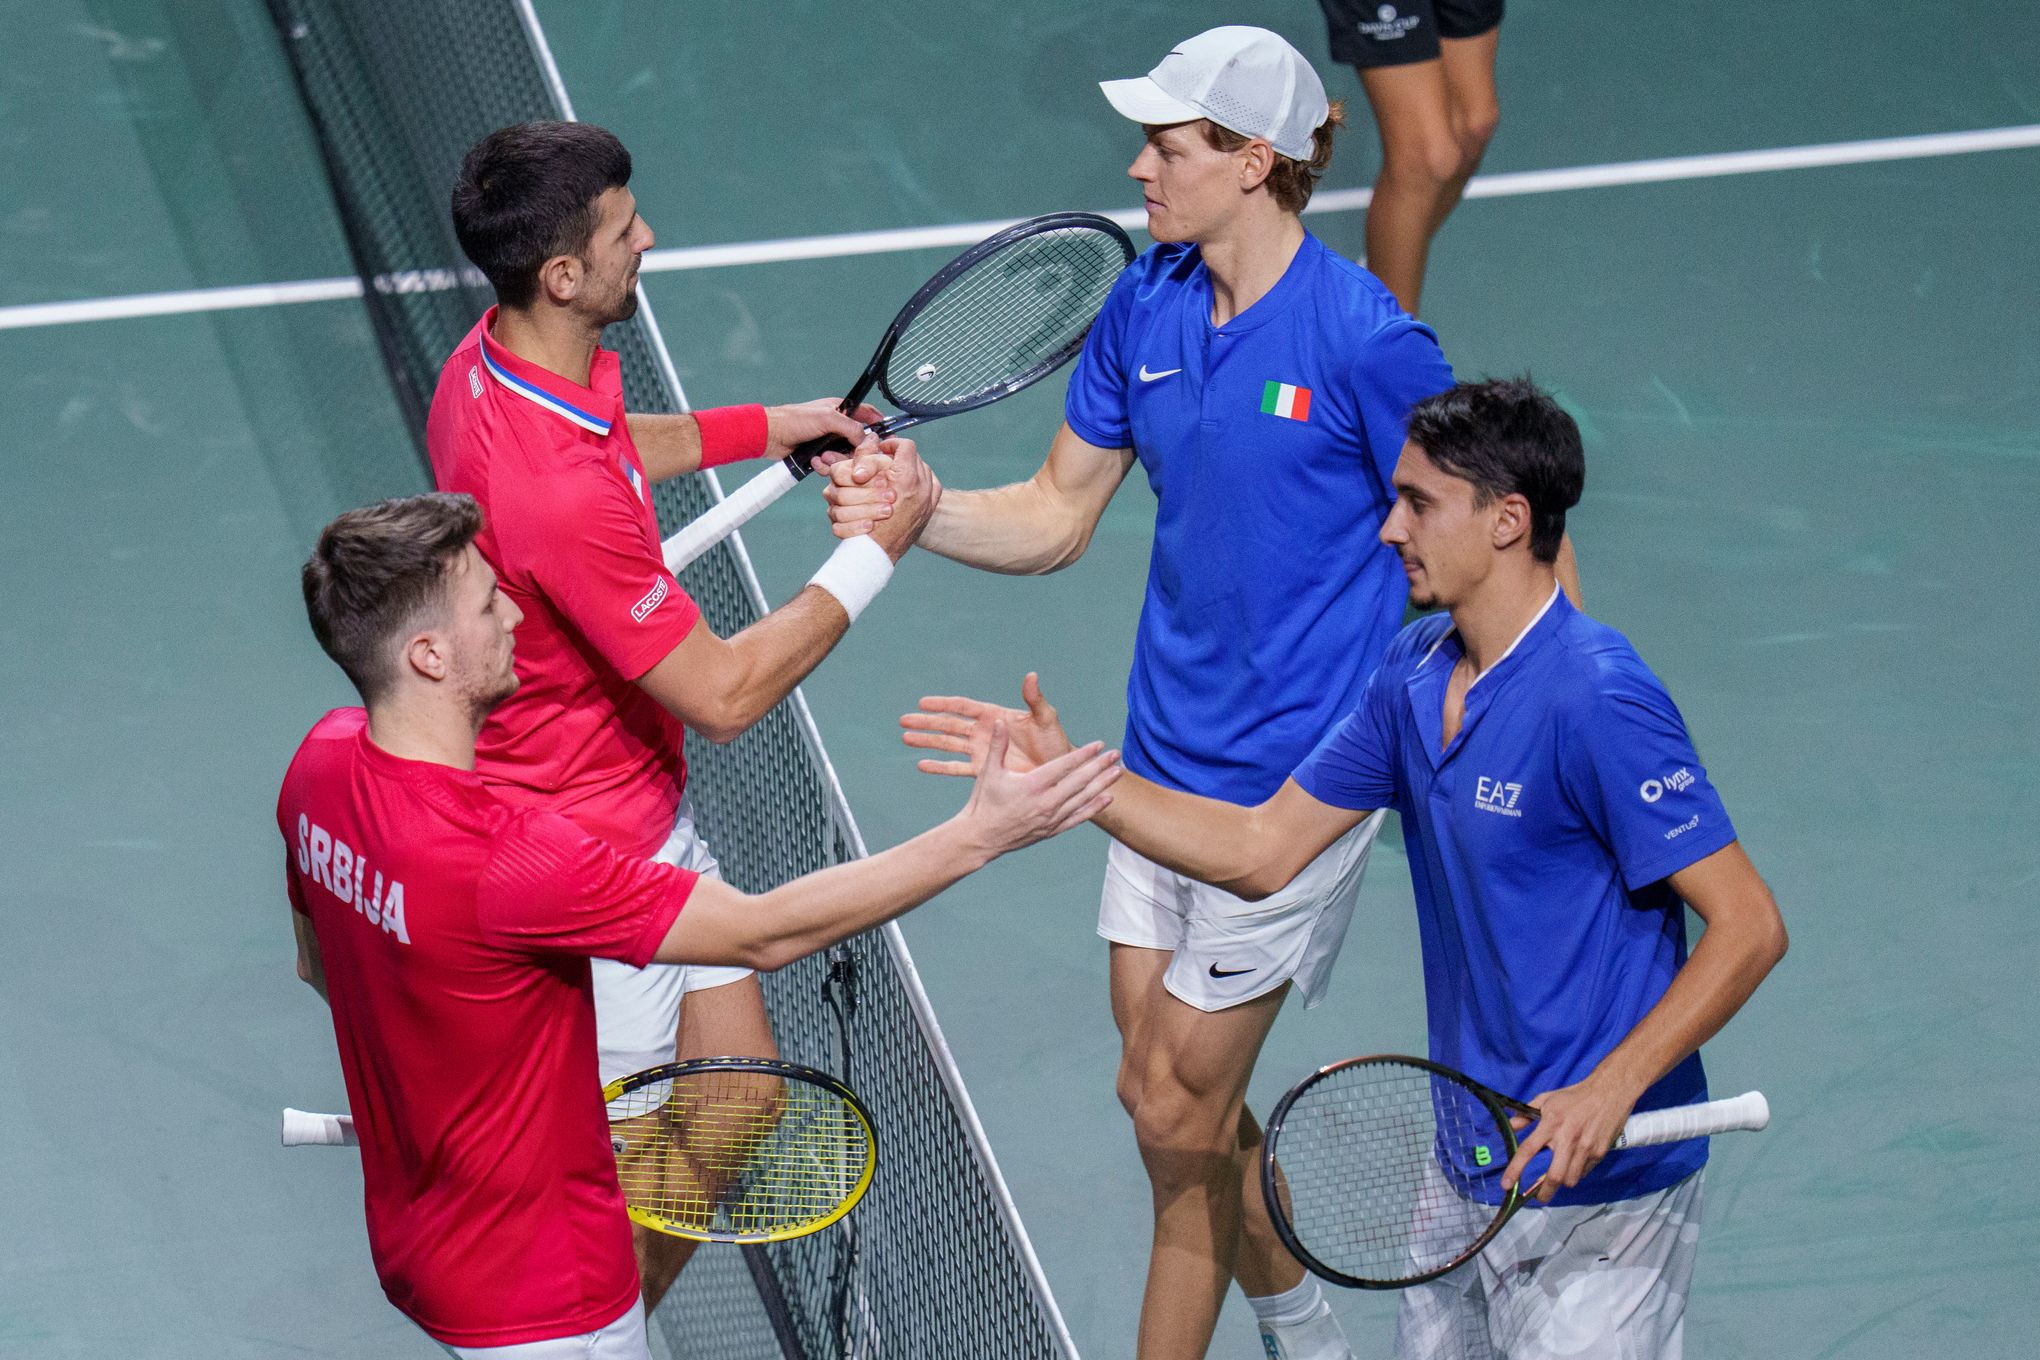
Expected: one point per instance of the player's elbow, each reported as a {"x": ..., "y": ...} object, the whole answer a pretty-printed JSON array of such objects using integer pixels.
[
  {"x": 720, "y": 732},
  {"x": 1069, "y": 546},
  {"x": 728, "y": 718},
  {"x": 1260, "y": 883},
  {"x": 773, "y": 950},
  {"x": 1775, "y": 942}
]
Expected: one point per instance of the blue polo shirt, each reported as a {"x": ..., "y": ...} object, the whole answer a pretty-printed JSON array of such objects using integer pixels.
[
  {"x": 1539, "y": 842},
  {"x": 1270, "y": 443}
]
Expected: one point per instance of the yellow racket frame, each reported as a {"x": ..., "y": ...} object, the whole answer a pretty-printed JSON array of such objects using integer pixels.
[{"x": 786, "y": 1071}]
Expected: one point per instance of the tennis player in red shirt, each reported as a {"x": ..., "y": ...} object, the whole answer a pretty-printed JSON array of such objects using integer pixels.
[
  {"x": 451, "y": 930},
  {"x": 614, "y": 657}
]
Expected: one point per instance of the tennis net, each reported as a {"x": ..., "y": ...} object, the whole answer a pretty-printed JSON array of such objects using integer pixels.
[{"x": 934, "y": 1262}]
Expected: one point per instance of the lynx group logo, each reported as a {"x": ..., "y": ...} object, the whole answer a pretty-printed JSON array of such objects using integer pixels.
[
  {"x": 1650, "y": 790},
  {"x": 1387, "y": 25}
]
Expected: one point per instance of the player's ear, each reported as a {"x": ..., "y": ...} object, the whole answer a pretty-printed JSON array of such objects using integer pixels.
[
  {"x": 425, "y": 654},
  {"x": 1257, "y": 158},
  {"x": 1511, "y": 521},
  {"x": 559, "y": 278}
]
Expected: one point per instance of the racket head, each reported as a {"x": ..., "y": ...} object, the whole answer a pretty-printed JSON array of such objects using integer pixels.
[
  {"x": 739, "y": 1149},
  {"x": 1385, "y": 1171},
  {"x": 999, "y": 317}
]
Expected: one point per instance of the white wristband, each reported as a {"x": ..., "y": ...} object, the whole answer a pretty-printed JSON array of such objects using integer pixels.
[{"x": 855, "y": 573}]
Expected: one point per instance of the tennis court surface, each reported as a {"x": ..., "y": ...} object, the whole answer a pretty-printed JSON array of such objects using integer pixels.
[{"x": 1810, "y": 389}]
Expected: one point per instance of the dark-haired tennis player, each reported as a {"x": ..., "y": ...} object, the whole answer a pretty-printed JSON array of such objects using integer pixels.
[
  {"x": 1262, "y": 382},
  {"x": 1428, "y": 67},
  {"x": 615, "y": 658},
  {"x": 1557, "y": 817},
  {"x": 450, "y": 929}
]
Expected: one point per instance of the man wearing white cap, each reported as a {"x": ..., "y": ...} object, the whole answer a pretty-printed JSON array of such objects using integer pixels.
[{"x": 1263, "y": 382}]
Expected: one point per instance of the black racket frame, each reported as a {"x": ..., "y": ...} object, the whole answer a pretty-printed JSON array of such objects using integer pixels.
[
  {"x": 1497, "y": 1104},
  {"x": 801, "y": 461}
]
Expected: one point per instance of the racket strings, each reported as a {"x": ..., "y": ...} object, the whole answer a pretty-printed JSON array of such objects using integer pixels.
[
  {"x": 1387, "y": 1173},
  {"x": 1019, "y": 309},
  {"x": 746, "y": 1153}
]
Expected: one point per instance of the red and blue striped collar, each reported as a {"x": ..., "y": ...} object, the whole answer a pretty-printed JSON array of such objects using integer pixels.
[{"x": 570, "y": 401}]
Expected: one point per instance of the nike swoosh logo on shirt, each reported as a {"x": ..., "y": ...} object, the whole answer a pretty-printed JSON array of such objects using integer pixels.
[
  {"x": 1217, "y": 972},
  {"x": 1146, "y": 376}
]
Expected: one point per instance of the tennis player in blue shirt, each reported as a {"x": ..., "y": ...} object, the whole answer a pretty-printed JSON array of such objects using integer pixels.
[
  {"x": 1262, "y": 382},
  {"x": 1557, "y": 816}
]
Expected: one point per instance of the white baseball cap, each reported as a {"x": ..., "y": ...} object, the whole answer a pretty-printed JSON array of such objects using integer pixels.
[{"x": 1242, "y": 78}]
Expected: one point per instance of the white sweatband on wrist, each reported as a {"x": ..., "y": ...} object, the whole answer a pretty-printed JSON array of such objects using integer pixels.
[{"x": 855, "y": 573}]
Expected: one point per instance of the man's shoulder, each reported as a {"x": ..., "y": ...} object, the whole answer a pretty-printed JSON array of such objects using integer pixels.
[
  {"x": 532, "y": 849},
  {"x": 331, "y": 736},
  {"x": 323, "y": 754},
  {"x": 1161, "y": 273},
  {"x": 1357, "y": 305},
  {"x": 1594, "y": 664}
]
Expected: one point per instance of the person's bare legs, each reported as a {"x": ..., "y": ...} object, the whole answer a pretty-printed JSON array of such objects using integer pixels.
[
  {"x": 1264, "y": 1266},
  {"x": 716, "y": 1022},
  {"x": 1435, "y": 119},
  {"x": 1183, "y": 1077}
]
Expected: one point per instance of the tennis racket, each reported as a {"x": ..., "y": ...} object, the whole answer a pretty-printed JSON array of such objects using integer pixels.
[
  {"x": 717, "y": 1149},
  {"x": 998, "y": 318},
  {"x": 1385, "y": 1171}
]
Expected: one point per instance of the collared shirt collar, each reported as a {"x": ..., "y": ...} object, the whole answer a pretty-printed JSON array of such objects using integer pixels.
[
  {"x": 594, "y": 409},
  {"x": 1452, "y": 635},
  {"x": 1427, "y": 683}
]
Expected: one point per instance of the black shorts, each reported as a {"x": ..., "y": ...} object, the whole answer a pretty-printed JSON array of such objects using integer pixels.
[{"x": 1385, "y": 33}]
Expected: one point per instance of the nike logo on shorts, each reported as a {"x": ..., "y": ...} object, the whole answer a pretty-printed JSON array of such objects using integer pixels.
[
  {"x": 1146, "y": 376},
  {"x": 1217, "y": 972}
]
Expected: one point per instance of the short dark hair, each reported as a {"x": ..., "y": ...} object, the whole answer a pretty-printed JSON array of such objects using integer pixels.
[
  {"x": 1291, "y": 180},
  {"x": 527, "y": 193},
  {"x": 1508, "y": 437},
  {"x": 375, "y": 570}
]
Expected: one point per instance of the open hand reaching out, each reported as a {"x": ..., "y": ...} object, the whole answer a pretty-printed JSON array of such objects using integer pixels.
[{"x": 963, "y": 726}]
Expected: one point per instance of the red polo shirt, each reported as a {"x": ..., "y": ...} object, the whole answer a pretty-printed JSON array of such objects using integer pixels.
[
  {"x": 455, "y": 931},
  {"x": 570, "y": 530}
]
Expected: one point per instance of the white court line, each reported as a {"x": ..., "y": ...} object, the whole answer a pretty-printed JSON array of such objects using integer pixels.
[{"x": 967, "y": 233}]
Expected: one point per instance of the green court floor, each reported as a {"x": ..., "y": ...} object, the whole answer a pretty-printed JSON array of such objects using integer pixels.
[{"x": 1812, "y": 408}]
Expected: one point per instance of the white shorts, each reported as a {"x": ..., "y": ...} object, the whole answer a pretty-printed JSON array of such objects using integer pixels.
[
  {"x": 1588, "y": 1281},
  {"x": 1229, "y": 950},
  {"x": 623, "y": 1339},
  {"x": 637, "y": 1010}
]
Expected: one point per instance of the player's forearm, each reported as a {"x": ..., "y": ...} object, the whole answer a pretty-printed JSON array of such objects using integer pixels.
[
  {"x": 793, "y": 921},
  {"x": 1022, "y": 530},
  {"x": 766, "y": 660},
  {"x": 311, "y": 968},
  {"x": 669, "y": 445},
  {"x": 1215, "y": 842}
]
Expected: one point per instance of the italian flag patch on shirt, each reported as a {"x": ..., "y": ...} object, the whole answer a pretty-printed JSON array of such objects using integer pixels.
[{"x": 1286, "y": 400}]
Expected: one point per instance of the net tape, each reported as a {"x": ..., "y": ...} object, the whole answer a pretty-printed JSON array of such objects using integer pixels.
[{"x": 398, "y": 90}]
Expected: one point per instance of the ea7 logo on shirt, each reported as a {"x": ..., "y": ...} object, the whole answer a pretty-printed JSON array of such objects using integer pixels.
[
  {"x": 475, "y": 382},
  {"x": 1492, "y": 795},
  {"x": 654, "y": 597},
  {"x": 1650, "y": 790}
]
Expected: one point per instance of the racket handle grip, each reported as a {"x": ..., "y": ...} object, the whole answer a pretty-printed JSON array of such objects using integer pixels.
[
  {"x": 804, "y": 455},
  {"x": 302, "y": 1128},
  {"x": 1747, "y": 1112},
  {"x": 729, "y": 514}
]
